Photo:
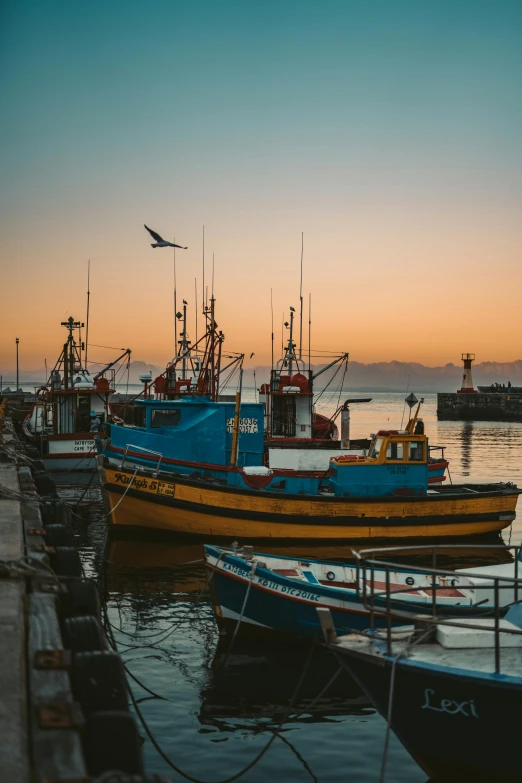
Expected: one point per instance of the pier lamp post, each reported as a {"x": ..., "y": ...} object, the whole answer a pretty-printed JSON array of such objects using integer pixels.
[{"x": 17, "y": 383}]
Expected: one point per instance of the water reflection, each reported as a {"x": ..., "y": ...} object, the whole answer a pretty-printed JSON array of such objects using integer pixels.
[
  {"x": 466, "y": 436},
  {"x": 259, "y": 681}
]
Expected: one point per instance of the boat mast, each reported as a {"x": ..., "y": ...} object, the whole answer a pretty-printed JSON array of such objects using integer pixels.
[
  {"x": 272, "y": 313},
  {"x": 175, "y": 304},
  {"x": 290, "y": 349},
  {"x": 196, "y": 304},
  {"x": 309, "y": 332},
  {"x": 69, "y": 353},
  {"x": 87, "y": 317},
  {"x": 301, "y": 301}
]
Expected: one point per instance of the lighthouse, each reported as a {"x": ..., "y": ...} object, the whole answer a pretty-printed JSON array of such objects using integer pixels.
[{"x": 467, "y": 380}]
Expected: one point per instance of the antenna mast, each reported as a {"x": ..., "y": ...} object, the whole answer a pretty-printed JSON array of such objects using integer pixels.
[
  {"x": 203, "y": 289},
  {"x": 196, "y": 300},
  {"x": 301, "y": 300},
  {"x": 309, "y": 331},
  {"x": 87, "y": 317},
  {"x": 272, "y": 312},
  {"x": 175, "y": 306}
]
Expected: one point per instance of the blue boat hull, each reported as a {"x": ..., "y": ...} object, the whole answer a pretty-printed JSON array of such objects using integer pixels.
[
  {"x": 288, "y": 616},
  {"x": 456, "y": 726}
]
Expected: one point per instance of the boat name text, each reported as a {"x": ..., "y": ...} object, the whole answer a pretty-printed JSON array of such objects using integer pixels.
[
  {"x": 160, "y": 487},
  {"x": 450, "y": 707},
  {"x": 84, "y": 445},
  {"x": 260, "y": 580}
]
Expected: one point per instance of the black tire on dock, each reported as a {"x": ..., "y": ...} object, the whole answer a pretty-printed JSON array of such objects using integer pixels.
[
  {"x": 55, "y": 512},
  {"x": 83, "y": 634},
  {"x": 44, "y": 483},
  {"x": 59, "y": 535},
  {"x": 98, "y": 681},
  {"x": 82, "y": 598},
  {"x": 112, "y": 742},
  {"x": 65, "y": 561}
]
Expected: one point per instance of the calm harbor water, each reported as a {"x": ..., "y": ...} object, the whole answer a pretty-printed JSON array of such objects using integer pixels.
[{"x": 213, "y": 719}]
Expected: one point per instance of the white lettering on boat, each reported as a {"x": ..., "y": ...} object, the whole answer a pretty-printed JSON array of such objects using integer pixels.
[
  {"x": 450, "y": 707},
  {"x": 245, "y": 425},
  {"x": 286, "y": 589}
]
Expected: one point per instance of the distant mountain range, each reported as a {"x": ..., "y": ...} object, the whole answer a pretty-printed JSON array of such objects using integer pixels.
[{"x": 385, "y": 376}]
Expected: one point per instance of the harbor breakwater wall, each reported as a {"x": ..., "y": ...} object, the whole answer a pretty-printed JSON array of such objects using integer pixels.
[{"x": 479, "y": 406}]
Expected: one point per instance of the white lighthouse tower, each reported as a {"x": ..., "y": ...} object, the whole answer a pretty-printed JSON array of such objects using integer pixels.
[{"x": 467, "y": 380}]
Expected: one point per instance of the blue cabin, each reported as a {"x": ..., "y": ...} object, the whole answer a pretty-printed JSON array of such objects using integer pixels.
[
  {"x": 396, "y": 464},
  {"x": 194, "y": 430}
]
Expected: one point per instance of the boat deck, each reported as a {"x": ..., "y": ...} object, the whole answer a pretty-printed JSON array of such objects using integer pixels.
[{"x": 466, "y": 661}]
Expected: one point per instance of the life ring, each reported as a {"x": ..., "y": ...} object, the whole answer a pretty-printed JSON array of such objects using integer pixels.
[
  {"x": 330, "y": 576},
  {"x": 42, "y": 394}
]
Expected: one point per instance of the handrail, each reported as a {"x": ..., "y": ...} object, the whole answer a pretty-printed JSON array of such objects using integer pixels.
[
  {"x": 141, "y": 448},
  {"x": 495, "y": 582}
]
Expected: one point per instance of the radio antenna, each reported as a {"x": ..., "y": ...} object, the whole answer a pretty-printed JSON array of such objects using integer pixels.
[
  {"x": 272, "y": 312},
  {"x": 301, "y": 300},
  {"x": 175, "y": 306},
  {"x": 203, "y": 289},
  {"x": 196, "y": 300},
  {"x": 309, "y": 331},
  {"x": 88, "y": 306}
]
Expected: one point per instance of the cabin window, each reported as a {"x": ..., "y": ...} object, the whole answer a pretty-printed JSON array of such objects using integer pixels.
[
  {"x": 162, "y": 418},
  {"x": 415, "y": 452},
  {"x": 395, "y": 451},
  {"x": 376, "y": 447}
]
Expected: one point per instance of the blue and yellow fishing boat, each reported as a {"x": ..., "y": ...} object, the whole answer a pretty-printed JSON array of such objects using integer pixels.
[{"x": 196, "y": 468}]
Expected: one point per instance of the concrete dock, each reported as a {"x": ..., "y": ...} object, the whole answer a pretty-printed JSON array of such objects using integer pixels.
[
  {"x": 49, "y": 729},
  {"x": 14, "y": 748}
]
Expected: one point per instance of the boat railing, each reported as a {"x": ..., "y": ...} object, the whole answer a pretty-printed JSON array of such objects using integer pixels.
[
  {"x": 367, "y": 564},
  {"x": 132, "y": 447}
]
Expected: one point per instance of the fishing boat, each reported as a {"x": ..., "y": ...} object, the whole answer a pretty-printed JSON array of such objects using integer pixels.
[
  {"x": 296, "y": 437},
  {"x": 265, "y": 594},
  {"x": 451, "y": 688},
  {"x": 196, "y": 468},
  {"x": 70, "y": 409}
]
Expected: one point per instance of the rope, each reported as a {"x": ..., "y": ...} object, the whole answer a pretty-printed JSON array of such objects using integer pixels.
[
  {"x": 256, "y": 758},
  {"x": 236, "y": 629},
  {"x": 126, "y": 490},
  {"x": 390, "y": 699}
]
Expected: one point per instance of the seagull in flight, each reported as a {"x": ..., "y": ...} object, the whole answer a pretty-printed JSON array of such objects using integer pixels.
[{"x": 160, "y": 242}]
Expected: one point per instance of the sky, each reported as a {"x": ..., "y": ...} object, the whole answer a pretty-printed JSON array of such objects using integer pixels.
[{"x": 389, "y": 132}]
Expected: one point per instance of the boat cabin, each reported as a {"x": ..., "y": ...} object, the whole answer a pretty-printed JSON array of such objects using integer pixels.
[
  {"x": 396, "y": 464},
  {"x": 193, "y": 429}
]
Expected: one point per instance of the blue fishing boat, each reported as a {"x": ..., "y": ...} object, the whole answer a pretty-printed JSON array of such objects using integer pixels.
[
  {"x": 451, "y": 689},
  {"x": 196, "y": 466},
  {"x": 267, "y": 593}
]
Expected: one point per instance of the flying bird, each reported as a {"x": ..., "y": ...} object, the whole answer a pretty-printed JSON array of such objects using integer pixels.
[{"x": 160, "y": 242}]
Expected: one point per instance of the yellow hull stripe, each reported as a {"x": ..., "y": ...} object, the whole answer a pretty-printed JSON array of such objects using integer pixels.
[{"x": 137, "y": 512}]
